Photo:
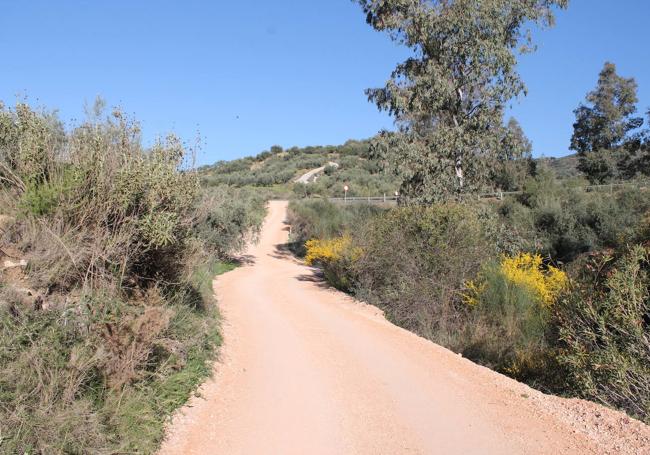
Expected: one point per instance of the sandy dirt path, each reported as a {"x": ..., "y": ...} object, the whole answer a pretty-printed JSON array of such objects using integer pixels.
[{"x": 308, "y": 370}]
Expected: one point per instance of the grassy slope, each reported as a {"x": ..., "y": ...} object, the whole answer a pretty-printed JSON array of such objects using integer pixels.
[
  {"x": 161, "y": 399},
  {"x": 96, "y": 420}
]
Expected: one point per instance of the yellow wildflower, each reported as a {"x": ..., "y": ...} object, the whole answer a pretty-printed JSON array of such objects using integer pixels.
[
  {"x": 527, "y": 270},
  {"x": 328, "y": 250}
]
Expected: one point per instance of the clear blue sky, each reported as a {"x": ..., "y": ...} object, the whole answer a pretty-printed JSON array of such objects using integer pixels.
[{"x": 255, "y": 73}]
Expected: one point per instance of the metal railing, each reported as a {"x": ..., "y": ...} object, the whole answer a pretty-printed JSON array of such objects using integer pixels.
[{"x": 609, "y": 187}]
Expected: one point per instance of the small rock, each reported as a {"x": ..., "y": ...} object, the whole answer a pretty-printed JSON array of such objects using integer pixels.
[
  {"x": 6, "y": 221},
  {"x": 8, "y": 263}
]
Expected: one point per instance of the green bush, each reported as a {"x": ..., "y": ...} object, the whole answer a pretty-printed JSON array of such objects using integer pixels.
[
  {"x": 321, "y": 219},
  {"x": 604, "y": 331},
  {"x": 563, "y": 221},
  {"x": 112, "y": 325},
  {"x": 414, "y": 263},
  {"x": 508, "y": 325},
  {"x": 228, "y": 218}
]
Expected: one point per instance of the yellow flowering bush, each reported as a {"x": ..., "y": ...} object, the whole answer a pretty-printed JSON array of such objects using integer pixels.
[
  {"x": 511, "y": 301},
  {"x": 327, "y": 250},
  {"x": 527, "y": 271},
  {"x": 337, "y": 257}
]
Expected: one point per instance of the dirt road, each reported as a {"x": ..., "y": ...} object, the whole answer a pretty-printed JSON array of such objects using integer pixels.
[
  {"x": 307, "y": 370},
  {"x": 307, "y": 177}
]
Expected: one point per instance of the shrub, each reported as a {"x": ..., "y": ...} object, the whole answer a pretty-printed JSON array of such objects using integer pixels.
[
  {"x": 111, "y": 326},
  {"x": 414, "y": 262},
  {"x": 563, "y": 221},
  {"x": 337, "y": 257},
  {"x": 604, "y": 331},
  {"x": 507, "y": 327},
  {"x": 228, "y": 218},
  {"x": 321, "y": 219}
]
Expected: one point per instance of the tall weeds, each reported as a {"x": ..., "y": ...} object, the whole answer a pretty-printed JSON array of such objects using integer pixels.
[{"x": 111, "y": 324}]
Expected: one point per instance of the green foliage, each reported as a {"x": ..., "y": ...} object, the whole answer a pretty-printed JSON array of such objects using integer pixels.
[
  {"x": 278, "y": 168},
  {"x": 53, "y": 367},
  {"x": 117, "y": 326},
  {"x": 448, "y": 98},
  {"x": 506, "y": 329},
  {"x": 604, "y": 332},
  {"x": 227, "y": 218},
  {"x": 321, "y": 219},
  {"x": 514, "y": 163},
  {"x": 43, "y": 198},
  {"x": 601, "y": 132},
  {"x": 562, "y": 220},
  {"x": 414, "y": 263}
]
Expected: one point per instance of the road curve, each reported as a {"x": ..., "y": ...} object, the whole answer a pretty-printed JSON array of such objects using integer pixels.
[
  {"x": 308, "y": 176},
  {"x": 308, "y": 370}
]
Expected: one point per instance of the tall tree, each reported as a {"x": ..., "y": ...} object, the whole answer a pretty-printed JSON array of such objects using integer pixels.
[
  {"x": 448, "y": 98},
  {"x": 601, "y": 132},
  {"x": 514, "y": 159},
  {"x": 635, "y": 160}
]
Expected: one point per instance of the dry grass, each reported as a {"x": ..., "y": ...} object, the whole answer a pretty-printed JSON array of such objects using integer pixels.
[{"x": 111, "y": 325}]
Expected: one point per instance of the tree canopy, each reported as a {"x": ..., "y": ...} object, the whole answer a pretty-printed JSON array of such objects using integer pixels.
[
  {"x": 448, "y": 98},
  {"x": 601, "y": 132}
]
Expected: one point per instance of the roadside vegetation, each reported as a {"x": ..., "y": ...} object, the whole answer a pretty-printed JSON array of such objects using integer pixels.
[
  {"x": 107, "y": 254},
  {"x": 549, "y": 285}
]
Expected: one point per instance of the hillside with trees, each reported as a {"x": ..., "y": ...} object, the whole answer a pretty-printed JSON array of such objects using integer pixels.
[{"x": 275, "y": 171}]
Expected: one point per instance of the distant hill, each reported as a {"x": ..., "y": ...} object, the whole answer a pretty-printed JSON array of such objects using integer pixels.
[
  {"x": 279, "y": 169},
  {"x": 564, "y": 167}
]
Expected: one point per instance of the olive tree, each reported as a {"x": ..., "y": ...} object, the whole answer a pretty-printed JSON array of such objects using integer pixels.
[{"x": 448, "y": 98}]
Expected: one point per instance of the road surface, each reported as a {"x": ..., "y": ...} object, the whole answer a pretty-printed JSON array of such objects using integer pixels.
[
  {"x": 308, "y": 176},
  {"x": 308, "y": 370}
]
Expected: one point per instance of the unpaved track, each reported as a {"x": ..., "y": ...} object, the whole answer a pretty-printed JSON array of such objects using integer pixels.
[{"x": 307, "y": 370}]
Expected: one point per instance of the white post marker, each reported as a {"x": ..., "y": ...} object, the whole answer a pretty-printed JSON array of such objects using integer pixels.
[{"x": 345, "y": 193}]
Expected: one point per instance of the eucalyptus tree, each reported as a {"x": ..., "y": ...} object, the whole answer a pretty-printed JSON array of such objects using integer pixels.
[
  {"x": 448, "y": 98},
  {"x": 514, "y": 160},
  {"x": 602, "y": 130}
]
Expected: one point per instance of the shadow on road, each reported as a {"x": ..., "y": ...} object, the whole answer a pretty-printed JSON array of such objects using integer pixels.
[
  {"x": 317, "y": 277},
  {"x": 244, "y": 259},
  {"x": 282, "y": 251}
]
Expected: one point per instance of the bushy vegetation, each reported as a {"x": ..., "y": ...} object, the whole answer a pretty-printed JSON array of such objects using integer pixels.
[
  {"x": 511, "y": 284},
  {"x": 604, "y": 330},
  {"x": 321, "y": 219},
  {"x": 111, "y": 324}
]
